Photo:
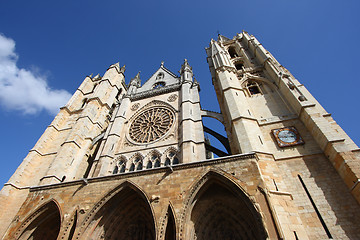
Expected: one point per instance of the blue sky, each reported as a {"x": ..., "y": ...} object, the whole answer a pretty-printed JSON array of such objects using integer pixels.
[{"x": 48, "y": 47}]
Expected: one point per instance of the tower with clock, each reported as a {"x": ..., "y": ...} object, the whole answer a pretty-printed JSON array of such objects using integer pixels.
[{"x": 130, "y": 161}]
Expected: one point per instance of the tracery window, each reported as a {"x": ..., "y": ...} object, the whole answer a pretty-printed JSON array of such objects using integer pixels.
[
  {"x": 158, "y": 85},
  {"x": 171, "y": 158},
  {"x": 119, "y": 167},
  {"x": 151, "y": 125},
  {"x": 138, "y": 163}
]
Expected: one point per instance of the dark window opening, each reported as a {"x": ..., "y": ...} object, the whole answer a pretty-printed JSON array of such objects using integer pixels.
[
  {"x": 157, "y": 163},
  {"x": 254, "y": 90},
  {"x": 167, "y": 162},
  {"x": 149, "y": 165},
  {"x": 139, "y": 166},
  {"x": 175, "y": 161},
  {"x": 116, "y": 169},
  {"x": 122, "y": 169},
  {"x": 132, "y": 168},
  {"x": 239, "y": 66},
  {"x": 232, "y": 52}
]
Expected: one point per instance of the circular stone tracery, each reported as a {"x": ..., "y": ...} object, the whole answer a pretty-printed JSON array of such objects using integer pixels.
[{"x": 151, "y": 125}]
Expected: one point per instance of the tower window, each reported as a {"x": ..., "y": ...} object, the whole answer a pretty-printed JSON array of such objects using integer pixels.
[
  {"x": 253, "y": 87},
  {"x": 232, "y": 52},
  {"x": 239, "y": 65}
]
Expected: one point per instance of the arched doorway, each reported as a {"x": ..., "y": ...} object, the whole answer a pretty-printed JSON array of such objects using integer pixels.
[
  {"x": 127, "y": 215},
  {"x": 46, "y": 224},
  {"x": 220, "y": 210}
]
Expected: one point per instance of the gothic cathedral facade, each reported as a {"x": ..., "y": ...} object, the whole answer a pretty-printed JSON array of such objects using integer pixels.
[{"x": 130, "y": 161}]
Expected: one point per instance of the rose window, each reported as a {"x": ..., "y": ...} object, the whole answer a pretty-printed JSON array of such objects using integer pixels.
[{"x": 151, "y": 125}]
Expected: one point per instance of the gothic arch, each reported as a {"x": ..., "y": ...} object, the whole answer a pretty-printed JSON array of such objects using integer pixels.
[
  {"x": 44, "y": 223},
  {"x": 136, "y": 162},
  {"x": 169, "y": 218},
  {"x": 170, "y": 155},
  {"x": 123, "y": 213},
  {"x": 259, "y": 80},
  {"x": 119, "y": 164},
  {"x": 152, "y": 159},
  {"x": 70, "y": 225},
  {"x": 218, "y": 208}
]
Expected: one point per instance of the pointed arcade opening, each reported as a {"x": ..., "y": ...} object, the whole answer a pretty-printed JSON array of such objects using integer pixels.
[
  {"x": 45, "y": 226},
  {"x": 219, "y": 212},
  {"x": 127, "y": 215},
  {"x": 170, "y": 233}
]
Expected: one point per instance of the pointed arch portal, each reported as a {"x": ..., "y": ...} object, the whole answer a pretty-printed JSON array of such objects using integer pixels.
[
  {"x": 220, "y": 210},
  {"x": 46, "y": 224},
  {"x": 127, "y": 215}
]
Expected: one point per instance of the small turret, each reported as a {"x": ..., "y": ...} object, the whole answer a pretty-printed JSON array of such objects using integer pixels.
[
  {"x": 134, "y": 84},
  {"x": 186, "y": 72}
]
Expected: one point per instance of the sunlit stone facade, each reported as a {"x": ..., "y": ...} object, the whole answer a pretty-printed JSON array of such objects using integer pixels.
[{"x": 130, "y": 161}]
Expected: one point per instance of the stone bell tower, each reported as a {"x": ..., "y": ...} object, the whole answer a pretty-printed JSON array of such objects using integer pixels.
[{"x": 268, "y": 111}]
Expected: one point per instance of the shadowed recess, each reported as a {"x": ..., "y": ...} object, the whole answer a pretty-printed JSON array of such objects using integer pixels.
[
  {"x": 125, "y": 216},
  {"x": 219, "y": 213},
  {"x": 45, "y": 226}
]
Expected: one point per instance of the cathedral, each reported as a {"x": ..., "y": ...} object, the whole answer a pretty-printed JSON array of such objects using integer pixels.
[{"x": 130, "y": 161}]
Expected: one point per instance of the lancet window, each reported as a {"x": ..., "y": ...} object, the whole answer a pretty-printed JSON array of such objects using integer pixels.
[
  {"x": 171, "y": 158},
  {"x": 120, "y": 167}
]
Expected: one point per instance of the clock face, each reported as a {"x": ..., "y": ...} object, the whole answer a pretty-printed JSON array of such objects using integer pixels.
[{"x": 287, "y": 136}]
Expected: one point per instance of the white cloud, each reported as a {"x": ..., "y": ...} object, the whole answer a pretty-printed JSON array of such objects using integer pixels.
[{"x": 22, "y": 89}]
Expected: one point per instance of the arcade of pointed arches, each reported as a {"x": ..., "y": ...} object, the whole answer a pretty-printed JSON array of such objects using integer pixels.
[
  {"x": 152, "y": 160},
  {"x": 215, "y": 208}
]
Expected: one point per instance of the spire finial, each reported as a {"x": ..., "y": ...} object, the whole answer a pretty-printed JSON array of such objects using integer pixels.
[
  {"x": 162, "y": 64},
  {"x": 122, "y": 69}
]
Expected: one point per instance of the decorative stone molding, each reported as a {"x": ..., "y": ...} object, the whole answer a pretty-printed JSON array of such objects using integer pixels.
[
  {"x": 155, "y": 92},
  {"x": 172, "y": 98},
  {"x": 135, "y": 107}
]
